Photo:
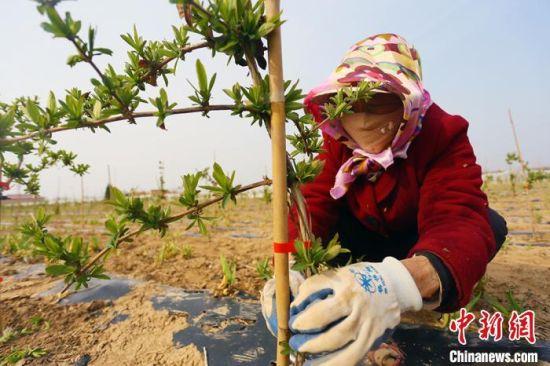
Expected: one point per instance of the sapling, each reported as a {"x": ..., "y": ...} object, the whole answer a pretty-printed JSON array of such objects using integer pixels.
[
  {"x": 317, "y": 257},
  {"x": 229, "y": 271},
  {"x": 266, "y": 195},
  {"x": 16, "y": 355},
  {"x": 236, "y": 29},
  {"x": 186, "y": 251},
  {"x": 162, "y": 181},
  {"x": 36, "y": 323},
  {"x": 510, "y": 159},
  {"x": 39, "y": 323},
  {"x": 487, "y": 182},
  {"x": 530, "y": 177},
  {"x": 506, "y": 309},
  {"x": 80, "y": 170},
  {"x": 8, "y": 334},
  {"x": 263, "y": 269},
  {"x": 167, "y": 251}
]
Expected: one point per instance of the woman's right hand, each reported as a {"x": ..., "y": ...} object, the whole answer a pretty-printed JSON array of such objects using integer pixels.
[{"x": 267, "y": 299}]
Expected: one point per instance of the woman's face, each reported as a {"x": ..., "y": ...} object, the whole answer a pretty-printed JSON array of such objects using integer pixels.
[{"x": 373, "y": 125}]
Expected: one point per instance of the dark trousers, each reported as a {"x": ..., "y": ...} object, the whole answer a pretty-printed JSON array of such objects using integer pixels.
[{"x": 373, "y": 247}]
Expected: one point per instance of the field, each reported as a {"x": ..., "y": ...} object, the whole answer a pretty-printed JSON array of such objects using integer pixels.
[{"x": 189, "y": 260}]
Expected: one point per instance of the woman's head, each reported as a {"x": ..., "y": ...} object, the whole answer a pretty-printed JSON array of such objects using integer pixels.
[
  {"x": 394, "y": 65},
  {"x": 374, "y": 122},
  {"x": 381, "y": 128}
]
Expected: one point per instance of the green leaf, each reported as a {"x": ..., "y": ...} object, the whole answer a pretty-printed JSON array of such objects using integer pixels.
[
  {"x": 52, "y": 103},
  {"x": 58, "y": 270},
  {"x": 104, "y": 51},
  {"x": 201, "y": 75},
  {"x": 33, "y": 112},
  {"x": 497, "y": 305},
  {"x": 96, "y": 111},
  {"x": 513, "y": 303},
  {"x": 266, "y": 28},
  {"x": 202, "y": 227},
  {"x": 57, "y": 26}
]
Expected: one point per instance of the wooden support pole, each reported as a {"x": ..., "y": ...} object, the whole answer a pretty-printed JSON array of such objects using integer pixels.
[
  {"x": 278, "y": 143},
  {"x": 516, "y": 140},
  {"x": 525, "y": 172}
]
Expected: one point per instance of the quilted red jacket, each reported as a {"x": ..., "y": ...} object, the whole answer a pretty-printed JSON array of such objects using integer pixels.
[{"x": 437, "y": 189}]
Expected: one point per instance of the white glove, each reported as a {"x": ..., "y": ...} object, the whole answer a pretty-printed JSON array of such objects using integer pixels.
[
  {"x": 341, "y": 313},
  {"x": 267, "y": 299}
]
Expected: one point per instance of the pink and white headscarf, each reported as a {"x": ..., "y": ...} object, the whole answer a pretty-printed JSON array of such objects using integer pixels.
[{"x": 391, "y": 61}]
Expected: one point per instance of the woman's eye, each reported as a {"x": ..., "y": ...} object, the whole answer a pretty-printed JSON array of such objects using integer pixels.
[
  {"x": 359, "y": 106},
  {"x": 382, "y": 108},
  {"x": 377, "y": 105}
]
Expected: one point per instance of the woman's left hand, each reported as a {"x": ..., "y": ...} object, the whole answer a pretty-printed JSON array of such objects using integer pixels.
[{"x": 342, "y": 313}]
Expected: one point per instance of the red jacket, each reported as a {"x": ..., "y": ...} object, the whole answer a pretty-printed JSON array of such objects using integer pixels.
[{"x": 436, "y": 188}]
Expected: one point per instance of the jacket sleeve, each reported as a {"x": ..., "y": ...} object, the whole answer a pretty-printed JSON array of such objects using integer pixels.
[
  {"x": 453, "y": 222},
  {"x": 323, "y": 209}
]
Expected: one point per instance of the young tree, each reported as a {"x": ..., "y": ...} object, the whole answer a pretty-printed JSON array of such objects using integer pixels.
[{"x": 236, "y": 29}]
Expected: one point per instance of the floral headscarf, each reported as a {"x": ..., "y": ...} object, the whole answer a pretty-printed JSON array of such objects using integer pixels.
[{"x": 391, "y": 61}]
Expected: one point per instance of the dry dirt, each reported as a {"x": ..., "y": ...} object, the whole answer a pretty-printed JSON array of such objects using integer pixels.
[
  {"x": 243, "y": 235},
  {"x": 76, "y": 332}
]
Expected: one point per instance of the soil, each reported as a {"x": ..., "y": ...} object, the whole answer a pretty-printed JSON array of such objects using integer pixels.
[
  {"x": 241, "y": 234},
  {"x": 95, "y": 330}
]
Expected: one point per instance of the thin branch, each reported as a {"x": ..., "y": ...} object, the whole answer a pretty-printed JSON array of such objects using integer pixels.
[
  {"x": 89, "y": 59},
  {"x": 253, "y": 67},
  {"x": 264, "y": 182},
  {"x": 200, "y": 8},
  {"x": 101, "y": 122},
  {"x": 19, "y": 164},
  {"x": 319, "y": 125},
  {"x": 204, "y": 11},
  {"x": 166, "y": 61},
  {"x": 303, "y": 137}
]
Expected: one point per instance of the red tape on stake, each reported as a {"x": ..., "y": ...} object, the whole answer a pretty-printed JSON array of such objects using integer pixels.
[
  {"x": 284, "y": 247},
  {"x": 287, "y": 247}
]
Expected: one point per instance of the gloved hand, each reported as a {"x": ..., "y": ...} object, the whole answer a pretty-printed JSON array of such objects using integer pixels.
[
  {"x": 267, "y": 299},
  {"x": 341, "y": 313}
]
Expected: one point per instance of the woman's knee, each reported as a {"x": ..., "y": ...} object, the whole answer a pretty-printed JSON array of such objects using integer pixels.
[{"x": 498, "y": 225}]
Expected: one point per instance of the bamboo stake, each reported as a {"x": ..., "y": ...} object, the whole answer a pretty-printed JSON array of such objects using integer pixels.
[
  {"x": 516, "y": 140},
  {"x": 525, "y": 172},
  {"x": 278, "y": 144},
  {"x": 1, "y": 196}
]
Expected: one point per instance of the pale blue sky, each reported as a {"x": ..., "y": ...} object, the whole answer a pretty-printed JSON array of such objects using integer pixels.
[{"x": 479, "y": 58}]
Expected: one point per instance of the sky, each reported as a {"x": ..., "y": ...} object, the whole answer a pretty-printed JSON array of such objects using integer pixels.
[{"x": 479, "y": 59}]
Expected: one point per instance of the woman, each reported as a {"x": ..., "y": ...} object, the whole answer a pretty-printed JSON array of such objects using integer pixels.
[{"x": 401, "y": 187}]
